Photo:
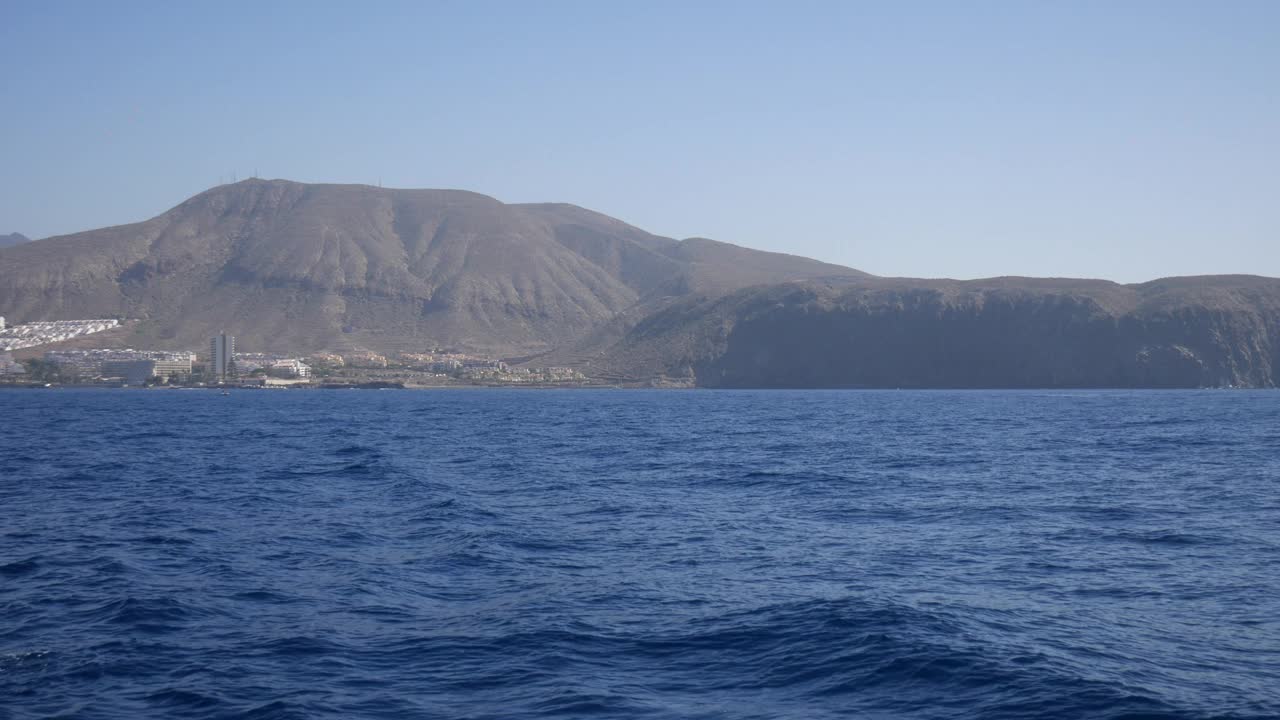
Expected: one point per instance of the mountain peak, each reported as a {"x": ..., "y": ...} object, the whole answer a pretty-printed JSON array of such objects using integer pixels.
[
  {"x": 300, "y": 267},
  {"x": 13, "y": 239}
]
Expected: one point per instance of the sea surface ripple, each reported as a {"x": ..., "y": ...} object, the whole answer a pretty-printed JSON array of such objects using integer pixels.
[{"x": 629, "y": 554}]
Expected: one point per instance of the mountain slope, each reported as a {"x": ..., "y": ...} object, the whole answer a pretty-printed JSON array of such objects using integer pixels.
[
  {"x": 297, "y": 268},
  {"x": 13, "y": 239},
  {"x": 294, "y": 267},
  {"x": 1003, "y": 332}
]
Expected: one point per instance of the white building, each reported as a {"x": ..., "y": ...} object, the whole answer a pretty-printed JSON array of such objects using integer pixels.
[
  {"x": 291, "y": 366},
  {"x": 44, "y": 332},
  {"x": 95, "y": 363}
]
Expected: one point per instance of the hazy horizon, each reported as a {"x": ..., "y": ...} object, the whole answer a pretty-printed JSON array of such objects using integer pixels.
[{"x": 1127, "y": 143}]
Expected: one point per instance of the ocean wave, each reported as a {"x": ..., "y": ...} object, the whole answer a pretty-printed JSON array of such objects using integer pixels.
[{"x": 20, "y": 567}]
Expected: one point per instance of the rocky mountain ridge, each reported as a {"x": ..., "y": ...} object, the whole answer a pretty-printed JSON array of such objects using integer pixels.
[
  {"x": 290, "y": 267},
  {"x": 293, "y": 267}
]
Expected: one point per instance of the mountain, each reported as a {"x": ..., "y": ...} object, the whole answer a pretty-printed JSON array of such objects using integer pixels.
[
  {"x": 1005, "y": 332},
  {"x": 291, "y": 267},
  {"x": 287, "y": 266},
  {"x": 13, "y": 239}
]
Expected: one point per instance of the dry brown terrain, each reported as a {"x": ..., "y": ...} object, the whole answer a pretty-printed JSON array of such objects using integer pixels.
[{"x": 299, "y": 268}]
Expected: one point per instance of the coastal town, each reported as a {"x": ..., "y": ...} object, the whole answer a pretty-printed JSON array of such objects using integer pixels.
[{"x": 223, "y": 365}]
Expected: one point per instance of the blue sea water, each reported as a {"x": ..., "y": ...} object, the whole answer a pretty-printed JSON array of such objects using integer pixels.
[{"x": 635, "y": 554}]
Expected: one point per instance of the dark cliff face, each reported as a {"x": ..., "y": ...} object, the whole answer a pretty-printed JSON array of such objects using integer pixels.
[{"x": 969, "y": 335}]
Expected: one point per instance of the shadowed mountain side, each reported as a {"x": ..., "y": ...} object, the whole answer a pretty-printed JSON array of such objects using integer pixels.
[
  {"x": 1003, "y": 332},
  {"x": 293, "y": 267},
  {"x": 13, "y": 239}
]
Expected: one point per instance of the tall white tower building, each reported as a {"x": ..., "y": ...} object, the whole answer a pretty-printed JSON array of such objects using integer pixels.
[{"x": 222, "y": 349}]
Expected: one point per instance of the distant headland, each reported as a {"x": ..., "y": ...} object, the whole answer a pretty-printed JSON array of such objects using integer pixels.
[{"x": 426, "y": 278}]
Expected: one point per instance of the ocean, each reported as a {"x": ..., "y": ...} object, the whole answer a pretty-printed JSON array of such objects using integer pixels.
[{"x": 639, "y": 554}]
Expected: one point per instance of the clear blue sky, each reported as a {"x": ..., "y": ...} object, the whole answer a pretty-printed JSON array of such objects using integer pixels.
[{"x": 1126, "y": 140}]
